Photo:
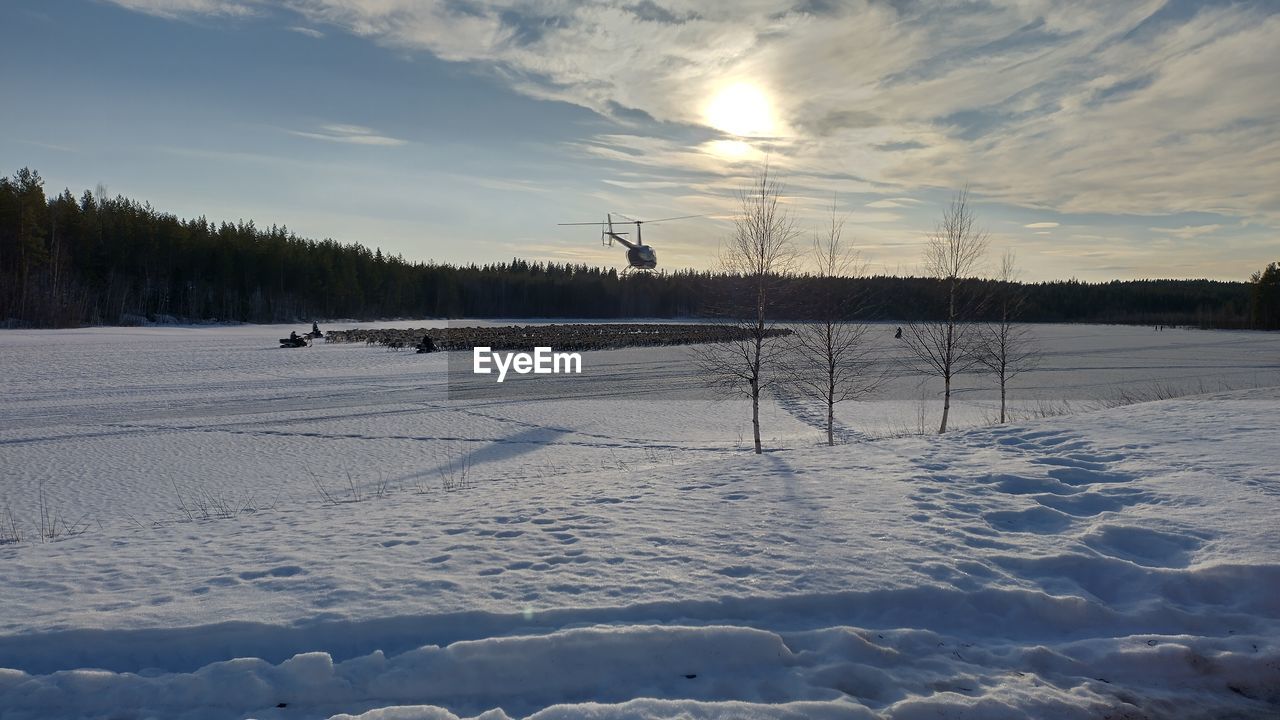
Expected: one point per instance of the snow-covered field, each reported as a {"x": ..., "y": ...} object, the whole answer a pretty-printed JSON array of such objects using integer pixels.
[{"x": 245, "y": 531}]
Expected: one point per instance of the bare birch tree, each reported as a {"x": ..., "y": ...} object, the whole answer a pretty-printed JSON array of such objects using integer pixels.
[
  {"x": 947, "y": 347},
  {"x": 833, "y": 358},
  {"x": 758, "y": 254},
  {"x": 1007, "y": 348}
]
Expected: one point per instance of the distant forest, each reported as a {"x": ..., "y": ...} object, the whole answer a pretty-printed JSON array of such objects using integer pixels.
[{"x": 95, "y": 260}]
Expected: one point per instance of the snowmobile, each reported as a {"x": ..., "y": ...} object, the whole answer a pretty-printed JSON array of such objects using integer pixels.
[{"x": 296, "y": 341}]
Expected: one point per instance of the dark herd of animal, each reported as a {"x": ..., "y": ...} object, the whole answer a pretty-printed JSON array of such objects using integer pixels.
[{"x": 606, "y": 336}]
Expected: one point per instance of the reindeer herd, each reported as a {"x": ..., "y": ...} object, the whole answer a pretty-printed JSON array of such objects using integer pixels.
[{"x": 576, "y": 337}]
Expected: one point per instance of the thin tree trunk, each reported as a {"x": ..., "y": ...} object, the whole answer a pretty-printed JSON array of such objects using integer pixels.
[
  {"x": 946, "y": 405},
  {"x": 755, "y": 414},
  {"x": 755, "y": 371},
  {"x": 831, "y": 392},
  {"x": 949, "y": 358}
]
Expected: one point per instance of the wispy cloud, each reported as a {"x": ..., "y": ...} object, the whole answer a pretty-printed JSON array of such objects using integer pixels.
[
  {"x": 309, "y": 32},
  {"x": 1080, "y": 107},
  {"x": 1188, "y": 232},
  {"x": 180, "y": 8},
  {"x": 1061, "y": 105},
  {"x": 353, "y": 134},
  {"x": 900, "y": 202},
  {"x": 49, "y": 146},
  {"x": 504, "y": 185}
]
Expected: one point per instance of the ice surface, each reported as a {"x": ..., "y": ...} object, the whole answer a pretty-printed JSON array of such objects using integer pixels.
[{"x": 621, "y": 555}]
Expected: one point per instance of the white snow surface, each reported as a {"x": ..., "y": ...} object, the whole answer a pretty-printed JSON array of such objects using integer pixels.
[{"x": 267, "y": 534}]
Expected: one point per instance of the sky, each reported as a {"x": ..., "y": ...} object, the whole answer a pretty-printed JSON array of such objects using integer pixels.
[{"x": 1098, "y": 139}]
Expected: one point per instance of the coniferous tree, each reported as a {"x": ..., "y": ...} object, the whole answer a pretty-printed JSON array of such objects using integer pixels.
[{"x": 1264, "y": 301}]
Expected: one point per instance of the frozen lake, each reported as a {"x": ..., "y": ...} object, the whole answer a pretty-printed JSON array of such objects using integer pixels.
[
  {"x": 108, "y": 420},
  {"x": 289, "y": 534}
]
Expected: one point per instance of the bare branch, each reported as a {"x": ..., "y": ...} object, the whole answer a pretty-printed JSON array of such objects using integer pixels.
[
  {"x": 832, "y": 360},
  {"x": 946, "y": 348},
  {"x": 1006, "y": 348},
  {"x": 760, "y": 253}
]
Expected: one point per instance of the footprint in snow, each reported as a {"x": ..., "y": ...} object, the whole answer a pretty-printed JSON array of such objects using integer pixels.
[
  {"x": 1018, "y": 485},
  {"x": 1081, "y": 476},
  {"x": 1085, "y": 504},
  {"x": 1070, "y": 462},
  {"x": 1039, "y": 434},
  {"x": 1143, "y": 546},
  {"x": 1038, "y": 520},
  {"x": 278, "y": 572}
]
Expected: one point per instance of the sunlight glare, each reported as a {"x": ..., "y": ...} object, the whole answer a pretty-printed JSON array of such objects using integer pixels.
[
  {"x": 740, "y": 109},
  {"x": 728, "y": 149}
]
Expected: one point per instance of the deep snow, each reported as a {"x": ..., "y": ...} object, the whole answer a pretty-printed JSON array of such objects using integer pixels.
[{"x": 620, "y": 555}]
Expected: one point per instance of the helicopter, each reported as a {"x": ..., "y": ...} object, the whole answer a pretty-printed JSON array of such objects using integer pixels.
[{"x": 639, "y": 255}]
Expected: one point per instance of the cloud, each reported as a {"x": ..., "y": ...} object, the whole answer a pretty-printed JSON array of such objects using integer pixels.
[
  {"x": 180, "y": 8},
  {"x": 1147, "y": 107},
  {"x": 899, "y": 202},
  {"x": 504, "y": 185},
  {"x": 309, "y": 32},
  {"x": 1188, "y": 232},
  {"x": 1038, "y": 225},
  {"x": 1197, "y": 134},
  {"x": 49, "y": 146},
  {"x": 859, "y": 218},
  {"x": 353, "y": 134},
  {"x": 1084, "y": 106}
]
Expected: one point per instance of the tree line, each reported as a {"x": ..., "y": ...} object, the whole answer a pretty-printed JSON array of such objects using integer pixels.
[{"x": 68, "y": 261}]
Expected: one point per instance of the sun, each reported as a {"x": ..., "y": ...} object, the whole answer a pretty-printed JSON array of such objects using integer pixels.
[{"x": 740, "y": 109}]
